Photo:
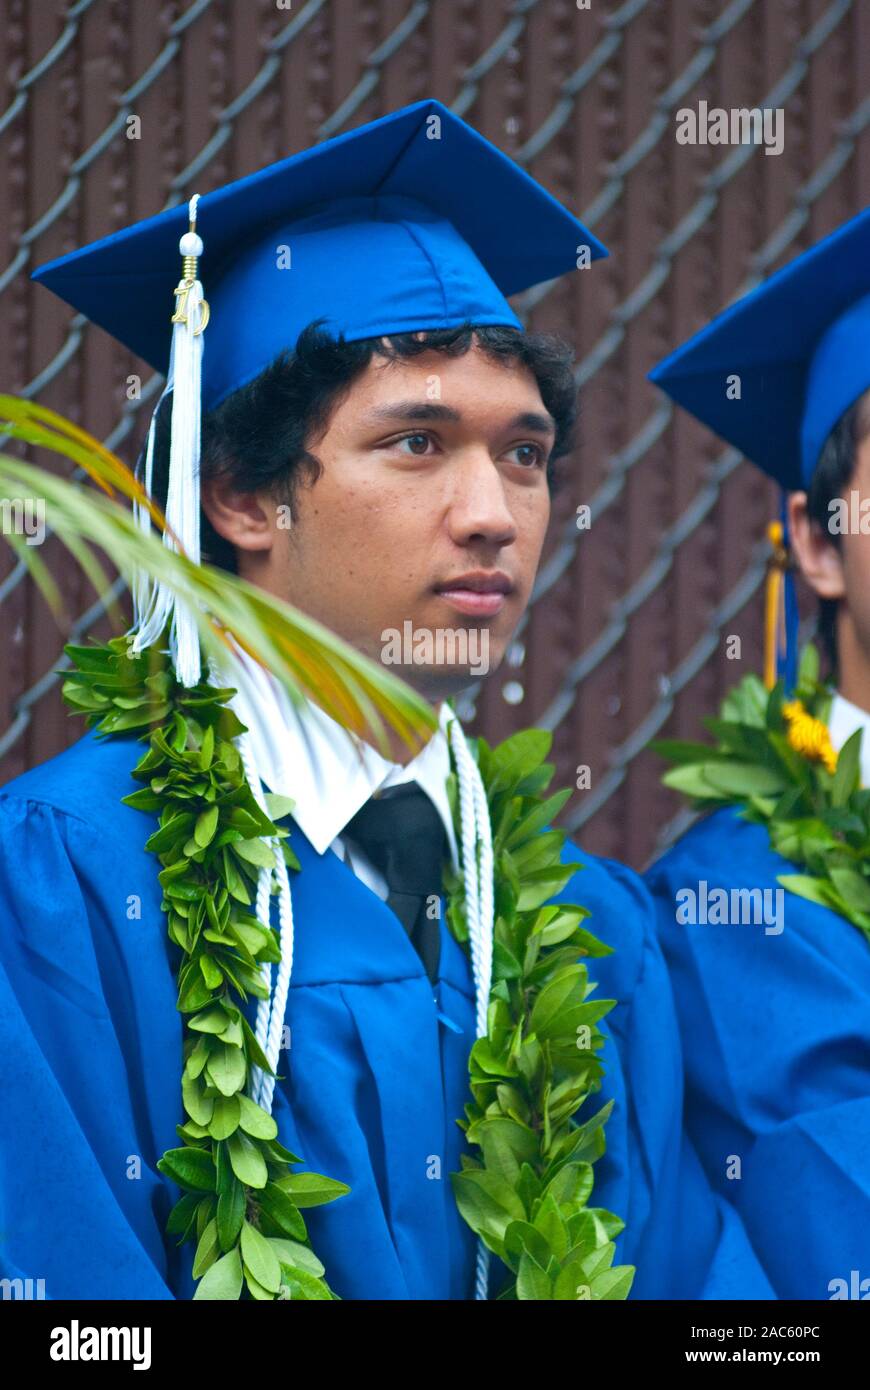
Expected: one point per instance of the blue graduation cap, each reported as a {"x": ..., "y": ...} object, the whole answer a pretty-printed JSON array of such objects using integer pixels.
[
  {"x": 800, "y": 345},
  {"x": 773, "y": 373},
  {"x": 411, "y": 222}
]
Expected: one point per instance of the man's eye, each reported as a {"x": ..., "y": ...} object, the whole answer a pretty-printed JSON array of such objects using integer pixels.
[
  {"x": 418, "y": 442},
  {"x": 530, "y": 454}
]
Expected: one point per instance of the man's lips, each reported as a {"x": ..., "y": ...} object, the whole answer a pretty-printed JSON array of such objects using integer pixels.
[
  {"x": 479, "y": 595},
  {"x": 473, "y": 602}
]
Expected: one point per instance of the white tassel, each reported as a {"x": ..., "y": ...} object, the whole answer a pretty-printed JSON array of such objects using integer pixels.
[{"x": 156, "y": 606}]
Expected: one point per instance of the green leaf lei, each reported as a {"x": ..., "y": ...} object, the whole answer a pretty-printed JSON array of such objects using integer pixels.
[
  {"x": 527, "y": 1194},
  {"x": 773, "y": 758}
]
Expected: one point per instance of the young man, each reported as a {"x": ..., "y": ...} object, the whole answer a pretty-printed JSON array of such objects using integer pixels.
[
  {"x": 378, "y": 450},
  {"x": 773, "y": 1005}
]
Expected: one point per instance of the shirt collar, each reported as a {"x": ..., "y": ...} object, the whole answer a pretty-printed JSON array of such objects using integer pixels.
[
  {"x": 302, "y": 752},
  {"x": 844, "y": 719}
]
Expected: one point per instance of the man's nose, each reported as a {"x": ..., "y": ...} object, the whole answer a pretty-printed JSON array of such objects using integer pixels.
[{"x": 479, "y": 505}]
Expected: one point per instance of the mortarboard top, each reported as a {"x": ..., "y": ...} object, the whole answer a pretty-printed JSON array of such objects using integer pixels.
[
  {"x": 413, "y": 221},
  {"x": 800, "y": 344}
]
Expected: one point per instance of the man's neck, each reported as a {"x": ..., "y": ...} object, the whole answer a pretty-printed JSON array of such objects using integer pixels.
[{"x": 853, "y": 665}]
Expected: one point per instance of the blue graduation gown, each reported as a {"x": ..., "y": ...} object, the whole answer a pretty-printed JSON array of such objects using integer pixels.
[
  {"x": 375, "y": 1076},
  {"x": 776, "y": 1038}
]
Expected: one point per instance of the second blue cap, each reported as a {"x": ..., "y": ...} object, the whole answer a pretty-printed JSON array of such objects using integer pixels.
[{"x": 774, "y": 373}]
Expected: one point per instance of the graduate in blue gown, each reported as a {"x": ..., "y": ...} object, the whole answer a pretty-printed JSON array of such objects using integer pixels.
[
  {"x": 376, "y": 1073},
  {"x": 91, "y": 1040},
  {"x": 774, "y": 1006}
]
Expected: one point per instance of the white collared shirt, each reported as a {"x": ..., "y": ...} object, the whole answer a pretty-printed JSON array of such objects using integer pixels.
[
  {"x": 302, "y": 752},
  {"x": 844, "y": 719}
]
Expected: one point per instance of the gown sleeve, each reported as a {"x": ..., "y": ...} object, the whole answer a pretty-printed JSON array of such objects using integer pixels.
[
  {"x": 81, "y": 1206},
  {"x": 684, "y": 1239},
  {"x": 775, "y": 1020}
]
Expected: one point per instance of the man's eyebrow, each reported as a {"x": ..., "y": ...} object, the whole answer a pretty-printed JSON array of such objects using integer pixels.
[
  {"x": 413, "y": 410},
  {"x": 432, "y": 410},
  {"x": 534, "y": 420}
]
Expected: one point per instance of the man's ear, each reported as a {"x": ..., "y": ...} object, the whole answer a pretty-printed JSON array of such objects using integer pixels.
[
  {"x": 820, "y": 560},
  {"x": 242, "y": 518}
]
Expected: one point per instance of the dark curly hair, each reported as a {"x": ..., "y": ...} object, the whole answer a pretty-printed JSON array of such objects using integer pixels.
[
  {"x": 259, "y": 436},
  {"x": 832, "y": 476}
]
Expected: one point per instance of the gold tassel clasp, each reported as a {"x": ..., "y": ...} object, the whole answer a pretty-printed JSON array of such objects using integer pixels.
[{"x": 191, "y": 247}]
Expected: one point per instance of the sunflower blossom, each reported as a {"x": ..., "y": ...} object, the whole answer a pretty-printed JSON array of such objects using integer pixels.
[{"x": 808, "y": 735}]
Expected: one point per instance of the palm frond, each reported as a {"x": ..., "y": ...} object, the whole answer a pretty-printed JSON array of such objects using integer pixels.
[{"x": 307, "y": 658}]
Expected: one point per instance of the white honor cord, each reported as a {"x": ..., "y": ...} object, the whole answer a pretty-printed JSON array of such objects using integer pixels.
[
  {"x": 269, "y": 1024},
  {"x": 271, "y": 1010},
  {"x": 479, "y": 907},
  {"x": 477, "y": 868}
]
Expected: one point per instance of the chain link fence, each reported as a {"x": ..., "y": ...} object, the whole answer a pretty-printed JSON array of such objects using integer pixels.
[{"x": 113, "y": 109}]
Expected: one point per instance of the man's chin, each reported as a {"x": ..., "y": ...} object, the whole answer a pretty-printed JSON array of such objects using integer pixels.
[
  {"x": 437, "y": 682},
  {"x": 463, "y": 652}
]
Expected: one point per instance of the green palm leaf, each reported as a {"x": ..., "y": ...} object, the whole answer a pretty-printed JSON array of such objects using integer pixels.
[{"x": 307, "y": 658}]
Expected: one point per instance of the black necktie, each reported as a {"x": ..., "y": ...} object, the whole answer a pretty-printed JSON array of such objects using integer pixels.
[{"x": 404, "y": 837}]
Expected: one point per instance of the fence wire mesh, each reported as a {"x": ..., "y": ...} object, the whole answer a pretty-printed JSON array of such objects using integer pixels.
[{"x": 113, "y": 109}]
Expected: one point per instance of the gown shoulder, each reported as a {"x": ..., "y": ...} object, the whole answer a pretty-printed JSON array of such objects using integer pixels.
[
  {"x": 685, "y": 1240},
  {"x": 774, "y": 1011}
]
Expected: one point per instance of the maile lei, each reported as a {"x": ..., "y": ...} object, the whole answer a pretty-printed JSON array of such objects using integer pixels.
[
  {"x": 525, "y": 1191},
  {"x": 773, "y": 757}
]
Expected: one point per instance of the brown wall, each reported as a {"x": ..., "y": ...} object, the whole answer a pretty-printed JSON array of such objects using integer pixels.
[{"x": 629, "y": 640}]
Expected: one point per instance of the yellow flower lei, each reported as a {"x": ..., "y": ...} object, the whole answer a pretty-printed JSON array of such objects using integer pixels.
[
  {"x": 773, "y": 760},
  {"x": 808, "y": 735}
]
